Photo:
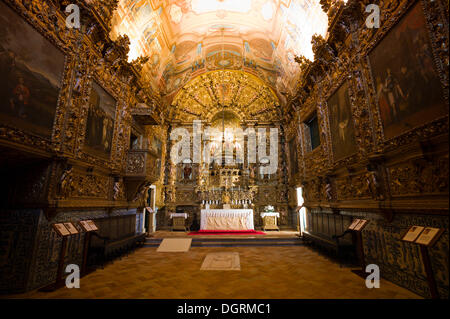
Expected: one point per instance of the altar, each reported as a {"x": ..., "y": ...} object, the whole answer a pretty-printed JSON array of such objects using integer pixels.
[{"x": 226, "y": 219}]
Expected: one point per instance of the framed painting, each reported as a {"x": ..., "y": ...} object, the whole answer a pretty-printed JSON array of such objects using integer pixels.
[
  {"x": 100, "y": 122},
  {"x": 408, "y": 89},
  {"x": 158, "y": 167},
  {"x": 341, "y": 123},
  {"x": 31, "y": 69},
  {"x": 157, "y": 146},
  {"x": 293, "y": 157}
]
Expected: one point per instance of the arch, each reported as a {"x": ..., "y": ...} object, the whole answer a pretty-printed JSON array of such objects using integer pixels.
[{"x": 239, "y": 92}]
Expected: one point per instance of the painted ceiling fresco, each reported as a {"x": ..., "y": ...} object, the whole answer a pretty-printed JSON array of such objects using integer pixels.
[{"x": 185, "y": 38}]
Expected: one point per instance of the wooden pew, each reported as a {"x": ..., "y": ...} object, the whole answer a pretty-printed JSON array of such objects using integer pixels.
[
  {"x": 112, "y": 249},
  {"x": 343, "y": 250},
  {"x": 116, "y": 236}
]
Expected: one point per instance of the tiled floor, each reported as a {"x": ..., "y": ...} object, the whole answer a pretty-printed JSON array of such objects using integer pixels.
[{"x": 266, "y": 272}]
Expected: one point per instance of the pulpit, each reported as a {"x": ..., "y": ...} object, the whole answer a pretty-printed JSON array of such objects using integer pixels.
[
  {"x": 179, "y": 221},
  {"x": 270, "y": 220}
]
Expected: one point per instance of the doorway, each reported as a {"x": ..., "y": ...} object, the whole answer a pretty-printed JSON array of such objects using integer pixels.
[{"x": 302, "y": 212}]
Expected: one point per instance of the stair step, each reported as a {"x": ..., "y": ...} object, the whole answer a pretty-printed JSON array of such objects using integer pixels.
[
  {"x": 158, "y": 240},
  {"x": 236, "y": 245},
  {"x": 233, "y": 242}
]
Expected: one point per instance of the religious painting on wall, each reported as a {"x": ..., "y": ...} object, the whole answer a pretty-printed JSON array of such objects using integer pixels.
[
  {"x": 158, "y": 167},
  {"x": 156, "y": 146},
  {"x": 293, "y": 157},
  {"x": 100, "y": 122},
  {"x": 31, "y": 69},
  {"x": 408, "y": 89},
  {"x": 187, "y": 170},
  {"x": 341, "y": 124}
]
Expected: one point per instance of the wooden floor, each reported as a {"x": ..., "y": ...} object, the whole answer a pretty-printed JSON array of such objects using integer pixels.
[{"x": 266, "y": 272}]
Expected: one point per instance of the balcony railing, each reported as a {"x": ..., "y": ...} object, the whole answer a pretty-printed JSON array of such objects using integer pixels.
[{"x": 143, "y": 165}]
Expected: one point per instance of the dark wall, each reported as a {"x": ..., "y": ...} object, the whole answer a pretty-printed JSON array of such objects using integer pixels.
[
  {"x": 17, "y": 237},
  {"x": 30, "y": 248},
  {"x": 399, "y": 262}
]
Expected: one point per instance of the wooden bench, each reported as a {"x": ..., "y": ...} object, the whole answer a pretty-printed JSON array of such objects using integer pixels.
[
  {"x": 340, "y": 249},
  {"x": 109, "y": 249}
]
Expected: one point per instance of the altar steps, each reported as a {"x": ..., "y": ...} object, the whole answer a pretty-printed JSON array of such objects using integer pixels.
[{"x": 234, "y": 242}]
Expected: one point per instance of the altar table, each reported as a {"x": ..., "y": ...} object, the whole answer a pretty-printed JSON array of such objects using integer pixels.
[
  {"x": 226, "y": 219},
  {"x": 270, "y": 220},
  {"x": 179, "y": 221}
]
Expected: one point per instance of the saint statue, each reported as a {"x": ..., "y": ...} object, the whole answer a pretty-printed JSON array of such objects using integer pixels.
[{"x": 226, "y": 198}]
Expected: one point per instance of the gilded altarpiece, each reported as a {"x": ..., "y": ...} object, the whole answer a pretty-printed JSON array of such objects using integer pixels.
[{"x": 249, "y": 103}]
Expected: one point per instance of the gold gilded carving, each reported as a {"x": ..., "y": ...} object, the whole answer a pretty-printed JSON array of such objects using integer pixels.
[
  {"x": 343, "y": 57},
  {"x": 353, "y": 187},
  {"x": 136, "y": 163},
  {"x": 90, "y": 186},
  {"x": 418, "y": 177},
  {"x": 239, "y": 92}
]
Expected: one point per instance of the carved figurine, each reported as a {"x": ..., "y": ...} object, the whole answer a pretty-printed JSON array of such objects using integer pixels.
[
  {"x": 328, "y": 191},
  {"x": 226, "y": 198},
  {"x": 373, "y": 185},
  {"x": 141, "y": 191},
  {"x": 117, "y": 190},
  {"x": 78, "y": 79},
  {"x": 66, "y": 183}
]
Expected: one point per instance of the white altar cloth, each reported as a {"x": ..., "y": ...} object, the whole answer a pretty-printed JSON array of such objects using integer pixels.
[{"x": 207, "y": 214}]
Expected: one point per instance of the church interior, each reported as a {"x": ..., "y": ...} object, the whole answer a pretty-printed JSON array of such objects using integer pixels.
[{"x": 230, "y": 149}]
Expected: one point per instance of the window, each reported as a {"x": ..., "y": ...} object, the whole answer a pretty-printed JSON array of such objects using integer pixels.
[
  {"x": 313, "y": 127},
  {"x": 134, "y": 142},
  {"x": 302, "y": 212}
]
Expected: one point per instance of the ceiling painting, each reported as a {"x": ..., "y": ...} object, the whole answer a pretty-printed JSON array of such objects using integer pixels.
[{"x": 185, "y": 38}]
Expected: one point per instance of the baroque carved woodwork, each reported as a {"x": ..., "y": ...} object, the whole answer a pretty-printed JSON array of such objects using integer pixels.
[
  {"x": 343, "y": 56},
  {"x": 89, "y": 56},
  {"x": 239, "y": 92}
]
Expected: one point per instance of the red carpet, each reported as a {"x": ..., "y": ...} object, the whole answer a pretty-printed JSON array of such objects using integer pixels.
[{"x": 227, "y": 232}]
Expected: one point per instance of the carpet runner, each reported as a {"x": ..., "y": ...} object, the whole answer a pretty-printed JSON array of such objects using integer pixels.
[
  {"x": 227, "y": 232},
  {"x": 175, "y": 245}
]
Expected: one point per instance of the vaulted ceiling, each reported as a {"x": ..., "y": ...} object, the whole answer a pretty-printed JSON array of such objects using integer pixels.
[
  {"x": 237, "y": 92},
  {"x": 186, "y": 38}
]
